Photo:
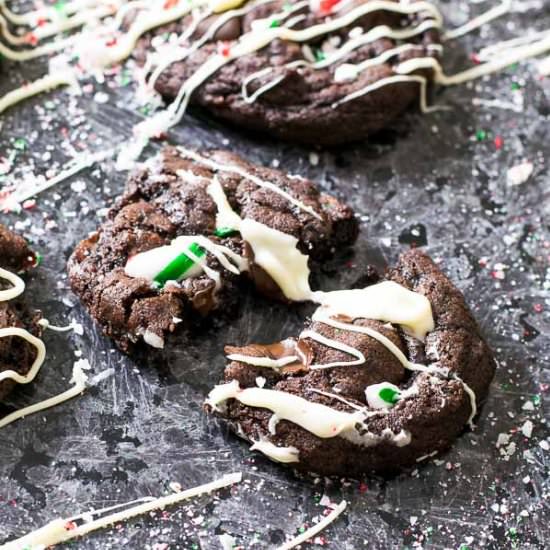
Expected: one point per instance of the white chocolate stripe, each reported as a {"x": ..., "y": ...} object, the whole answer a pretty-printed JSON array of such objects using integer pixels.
[
  {"x": 327, "y": 320},
  {"x": 26, "y": 55},
  {"x": 285, "y": 455},
  {"x": 335, "y": 344},
  {"x": 79, "y": 385},
  {"x": 485, "y": 54},
  {"x": 504, "y": 59},
  {"x": 401, "y": 357},
  {"x": 209, "y": 34},
  {"x": 31, "y": 18},
  {"x": 263, "y": 361},
  {"x": 16, "y": 290},
  {"x": 44, "y": 84},
  {"x": 318, "y": 419},
  {"x": 314, "y": 529},
  {"x": 61, "y": 25},
  {"x": 502, "y": 9},
  {"x": 351, "y": 16},
  {"x": 225, "y": 215},
  {"x": 221, "y": 253},
  {"x": 37, "y": 363},
  {"x": 145, "y": 21},
  {"x": 5, "y": 295},
  {"x": 387, "y": 82},
  {"x": 218, "y": 167},
  {"x": 56, "y": 532},
  {"x": 382, "y": 31}
]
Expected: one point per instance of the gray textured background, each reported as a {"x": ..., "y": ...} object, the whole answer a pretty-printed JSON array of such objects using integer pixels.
[{"x": 427, "y": 181}]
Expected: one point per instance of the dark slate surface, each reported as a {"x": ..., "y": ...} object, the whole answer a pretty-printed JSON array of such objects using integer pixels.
[{"x": 428, "y": 182}]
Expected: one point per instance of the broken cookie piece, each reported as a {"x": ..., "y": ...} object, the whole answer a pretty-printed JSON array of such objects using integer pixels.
[
  {"x": 380, "y": 378},
  {"x": 189, "y": 230}
]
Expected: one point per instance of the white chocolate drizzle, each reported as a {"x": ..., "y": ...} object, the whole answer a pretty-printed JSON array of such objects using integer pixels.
[
  {"x": 285, "y": 455},
  {"x": 17, "y": 288},
  {"x": 502, "y": 9},
  {"x": 320, "y": 420},
  {"x": 335, "y": 344},
  {"x": 314, "y": 529},
  {"x": 9, "y": 294},
  {"x": 78, "y": 380},
  {"x": 263, "y": 361},
  {"x": 274, "y": 251},
  {"x": 277, "y": 253},
  {"x": 44, "y": 84},
  {"x": 78, "y": 377},
  {"x": 386, "y": 301},
  {"x": 232, "y": 169},
  {"x": 62, "y": 530}
]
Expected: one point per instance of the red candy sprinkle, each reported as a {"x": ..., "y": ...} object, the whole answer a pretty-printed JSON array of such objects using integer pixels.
[
  {"x": 499, "y": 142},
  {"x": 170, "y": 4},
  {"x": 31, "y": 39},
  {"x": 224, "y": 49},
  {"x": 327, "y": 5}
]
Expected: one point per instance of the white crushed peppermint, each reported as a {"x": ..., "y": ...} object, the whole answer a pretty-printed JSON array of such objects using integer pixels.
[
  {"x": 519, "y": 173},
  {"x": 527, "y": 428}
]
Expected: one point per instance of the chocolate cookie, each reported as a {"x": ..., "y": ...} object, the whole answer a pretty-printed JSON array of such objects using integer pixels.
[
  {"x": 319, "y": 72},
  {"x": 379, "y": 379},
  {"x": 189, "y": 230},
  {"x": 19, "y": 350}
]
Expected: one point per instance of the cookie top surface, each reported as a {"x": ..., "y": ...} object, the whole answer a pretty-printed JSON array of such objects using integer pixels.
[
  {"x": 169, "y": 203},
  {"x": 373, "y": 397},
  {"x": 318, "y": 72},
  {"x": 15, "y": 253}
]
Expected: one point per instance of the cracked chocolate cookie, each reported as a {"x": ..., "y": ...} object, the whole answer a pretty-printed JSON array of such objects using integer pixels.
[
  {"x": 380, "y": 378},
  {"x": 189, "y": 230},
  {"x": 322, "y": 72}
]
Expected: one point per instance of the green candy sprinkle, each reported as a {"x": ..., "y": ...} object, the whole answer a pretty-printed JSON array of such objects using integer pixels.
[
  {"x": 389, "y": 395},
  {"x": 481, "y": 135},
  {"x": 225, "y": 232},
  {"x": 274, "y": 24},
  {"x": 20, "y": 144},
  {"x": 179, "y": 265},
  {"x": 38, "y": 259},
  {"x": 319, "y": 55}
]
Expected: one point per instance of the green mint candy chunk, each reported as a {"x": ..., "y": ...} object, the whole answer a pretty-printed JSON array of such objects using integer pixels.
[
  {"x": 225, "y": 232},
  {"x": 389, "y": 395},
  {"x": 180, "y": 265}
]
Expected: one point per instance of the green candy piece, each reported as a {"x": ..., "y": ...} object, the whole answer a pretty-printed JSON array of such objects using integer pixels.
[
  {"x": 179, "y": 265},
  {"x": 225, "y": 232},
  {"x": 389, "y": 395}
]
